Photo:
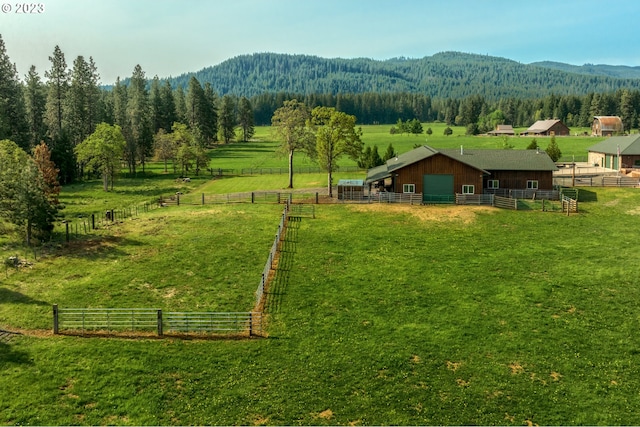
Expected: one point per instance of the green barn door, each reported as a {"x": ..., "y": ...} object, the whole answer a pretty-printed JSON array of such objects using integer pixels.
[{"x": 437, "y": 189}]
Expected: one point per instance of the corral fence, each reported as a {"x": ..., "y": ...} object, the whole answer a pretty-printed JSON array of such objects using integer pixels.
[
  {"x": 247, "y": 197},
  {"x": 569, "y": 205},
  {"x": 598, "y": 181},
  {"x": 275, "y": 171},
  {"x": 153, "y": 320},
  {"x": 148, "y": 320}
]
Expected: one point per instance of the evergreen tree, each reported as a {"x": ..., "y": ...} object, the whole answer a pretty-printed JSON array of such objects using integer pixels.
[
  {"x": 245, "y": 119},
  {"x": 167, "y": 115},
  {"x": 533, "y": 145},
  {"x": 81, "y": 100},
  {"x": 180, "y": 104},
  {"x": 139, "y": 126},
  {"x": 23, "y": 200},
  {"x": 58, "y": 85},
  {"x": 209, "y": 126},
  {"x": 227, "y": 119},
  {"x": 155, "y": 102},
  {"x": 35, "y": 99},
  {"x": 553, "y": 150},
  {"x": 390, "y": 153},
  {"x": 49, "y": 172},
  {"x": 13, "y": 123}
]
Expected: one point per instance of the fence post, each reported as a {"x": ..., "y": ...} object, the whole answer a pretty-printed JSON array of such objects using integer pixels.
[
  {"x": 55, "y": 319},
  {"x": 93, "y": 221},
  {"x": 316, "y": 197},
  {"x": 160, "y": 323},
  {"x": 250, "y": 323},
  {"x": 113, "y": 218},
  {"x": 66, "y": 224},
  {"x": 253, "y": 197},
  {"x": 203, "y": 198},
  {"x": 278, "y": 198},
  {"x": 177, "y": 200}
]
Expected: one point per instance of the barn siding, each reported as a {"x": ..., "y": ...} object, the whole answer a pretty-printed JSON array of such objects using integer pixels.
[
  {"x": 517, "y": 180},
  {"x": 558, "y": 129},
  {"x": 435, "y": 165}
]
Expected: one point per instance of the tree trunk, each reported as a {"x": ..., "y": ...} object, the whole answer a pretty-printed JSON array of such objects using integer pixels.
[
  {"x": 290, "y": 169},
  {"x": 105, "y": 181},
  {"x": 330, "y": 178}
]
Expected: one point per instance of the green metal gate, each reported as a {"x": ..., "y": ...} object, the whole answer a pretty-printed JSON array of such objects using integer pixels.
[{"x": 438, "y": 189}]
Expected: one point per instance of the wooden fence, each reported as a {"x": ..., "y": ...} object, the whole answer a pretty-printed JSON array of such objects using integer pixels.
[
  {"x": 154, "y": 320},
  {"x": 505, "y": 202},
  {"x": 569, "y": 205}
]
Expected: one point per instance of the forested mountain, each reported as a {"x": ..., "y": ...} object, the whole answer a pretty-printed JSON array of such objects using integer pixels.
[
  {"x": 617, "y": 71},
  {"x": 443, "y": 75}
]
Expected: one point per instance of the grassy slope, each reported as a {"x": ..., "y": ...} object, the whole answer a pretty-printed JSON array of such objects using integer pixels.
[{"x": 415, "y": 315}]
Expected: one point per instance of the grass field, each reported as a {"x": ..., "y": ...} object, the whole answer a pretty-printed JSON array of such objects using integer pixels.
[{"x": 404, "y": 315}]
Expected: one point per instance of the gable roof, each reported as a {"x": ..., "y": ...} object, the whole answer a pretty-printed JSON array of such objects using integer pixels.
[
  {"x": 483, "y": 160},
  {"x": 542, "y": 126},
  {"x": 502, "y": 129},
  {"x": 629, "y": 145}
]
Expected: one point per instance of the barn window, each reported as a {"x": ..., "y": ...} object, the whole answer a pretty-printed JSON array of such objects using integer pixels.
[
  {"x": 468, "y": 189},
  {"x": 532, "y": 185},
  {"x": 408, "y": 188},
  {"x": 493, "y": 183}
]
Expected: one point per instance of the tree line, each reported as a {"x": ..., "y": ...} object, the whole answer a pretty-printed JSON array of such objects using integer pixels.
[{"x": 65, "y": 108}]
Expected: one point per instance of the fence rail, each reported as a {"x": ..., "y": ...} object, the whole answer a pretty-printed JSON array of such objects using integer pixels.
[
  {"x": 598, "y": 181},
  {"x": 505, "y": 202},
  {"x": 154, "y": 320},
  {"x": 474, "y": 199}
]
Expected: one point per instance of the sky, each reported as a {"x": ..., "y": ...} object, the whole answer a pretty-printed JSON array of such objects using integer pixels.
[{"x": 169, "y": 37}]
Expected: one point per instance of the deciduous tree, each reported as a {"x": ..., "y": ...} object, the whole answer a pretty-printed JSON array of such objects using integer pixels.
[
  {"x": 23, "y": 199},
  {"x": 335, "y": 136},
  {"x": 289, "y": 126},
  {"x": 101, "y": 152}
]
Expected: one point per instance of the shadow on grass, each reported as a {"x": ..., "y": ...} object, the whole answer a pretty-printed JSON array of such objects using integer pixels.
[
  {"x": 587, "y": 196},
  {"x": 278, "y": 286},
  {"x": 103, "y": 247},
  {"x": 8, "y": 355},
  {"x": 13, "y": 297}
]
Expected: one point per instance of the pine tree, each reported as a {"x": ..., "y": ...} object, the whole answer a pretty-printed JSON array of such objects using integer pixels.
[
  {"x": 389, "y": 154},
  {"x": 82, "y": 100},
  {"x": 13, "y": 123},
  {"x": 168, "y": 110},
  {"x": 227, "y": 119},
  {"x": 139, "y": 131},
  {"x": 245, "y": 119},
  {"x": 23, "y": 200},
  {"x": 35, "y": 99},
  {"x": 58, "y": 84},
  {"x": 553, "y": 150}
]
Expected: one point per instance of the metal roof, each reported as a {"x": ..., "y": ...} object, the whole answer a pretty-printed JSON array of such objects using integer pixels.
[
  {"x": 629, "y": 145},
  {"x": 351, "y": 182},
  {"x": 542, "y": 126},
  {"x": 483, "y": 160},
  {"x": 610, "y": 123}
]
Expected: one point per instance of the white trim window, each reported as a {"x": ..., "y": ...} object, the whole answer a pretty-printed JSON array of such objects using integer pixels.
[
  {"x": 408, "y": 188},
  {"x": 493, "y": 184},
  {"x": 468, "y": 189},
  {"x": 532, "y": 185}
]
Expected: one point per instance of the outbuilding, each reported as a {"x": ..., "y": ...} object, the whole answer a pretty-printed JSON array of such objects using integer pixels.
[
  {"x": 547, "y": 128},
  {"x": 617, "y": 152},
  {"x": 439, "y": 174},
  {"x": 607, "y": 126},
  {"x": 350, "y": 189}
]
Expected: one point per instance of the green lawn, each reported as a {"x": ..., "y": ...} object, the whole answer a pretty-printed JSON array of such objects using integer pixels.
[{"x": 381, "y": 314}]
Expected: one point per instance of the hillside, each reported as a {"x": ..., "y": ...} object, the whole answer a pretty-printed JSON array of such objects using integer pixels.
[{"x": 443, "y": 75}]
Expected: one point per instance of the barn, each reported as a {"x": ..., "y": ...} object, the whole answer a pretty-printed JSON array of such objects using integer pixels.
[
  {"x": 547, "y": 128},
  {"x": 438, "y": 174},
  {"x": 502, "y": 130},
  {"x": 606, "y": 126},
  {"x": 617, "y": 152}
]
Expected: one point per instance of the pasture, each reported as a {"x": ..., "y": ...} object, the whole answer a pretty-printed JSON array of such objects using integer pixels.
[{"x": 405, "y": 315}]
